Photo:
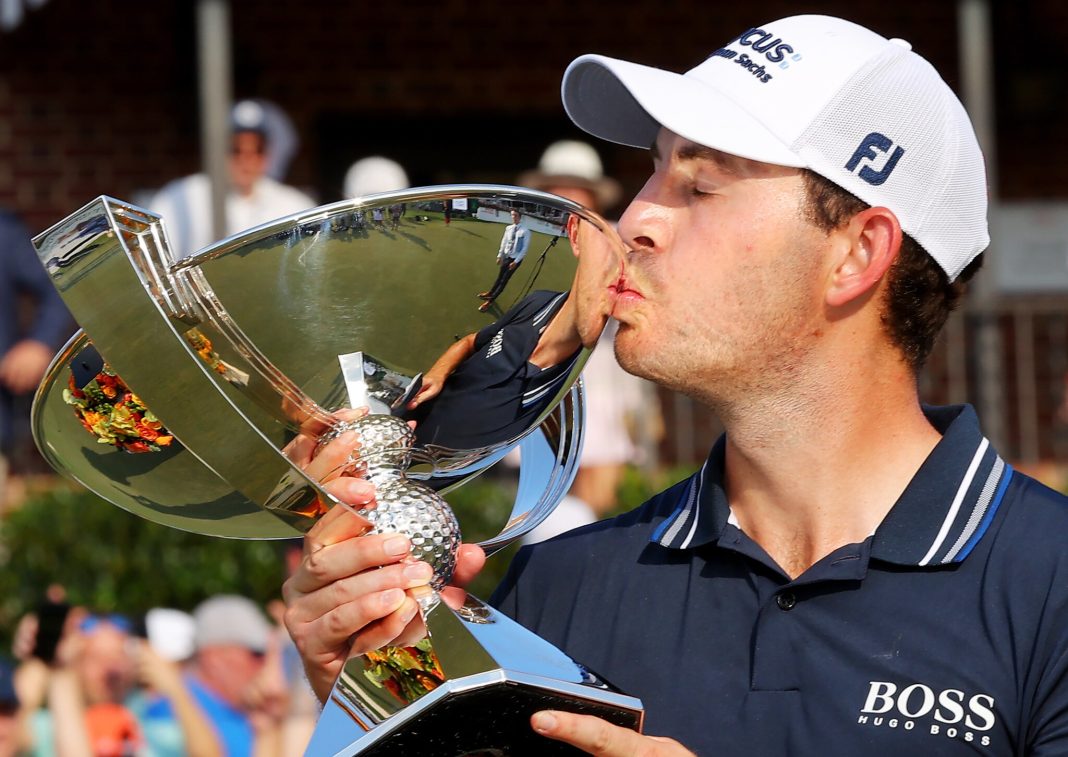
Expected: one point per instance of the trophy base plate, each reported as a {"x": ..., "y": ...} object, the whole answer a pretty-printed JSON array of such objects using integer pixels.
[{"x": 492, "y": 721}]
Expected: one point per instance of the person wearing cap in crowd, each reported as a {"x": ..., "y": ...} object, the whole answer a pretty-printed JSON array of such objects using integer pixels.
[
  {"x": 253, "y": 198},
  {"x": 619, "y": 406},
  {"x": 233, "y": 640},
  {"x": 573, "y": 169},
  {"x": 850, "y": 572}
]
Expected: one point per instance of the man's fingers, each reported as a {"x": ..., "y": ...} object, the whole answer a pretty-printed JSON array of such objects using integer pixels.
[
  {"x": 469, "y": 561},
  {"x": 331, "y": 458},
  {"x": 401, "y": 627},
  {"x": 600, "y": 738},
  {"x": 333, "y": 562},
  {"x": 353, "y": 493},
  {"x": 339, "y": 523},
  {"x": 407, "y": 575}
]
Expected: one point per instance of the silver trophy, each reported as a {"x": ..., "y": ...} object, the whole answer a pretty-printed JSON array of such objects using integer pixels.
[{"x": 200, "y": 387}]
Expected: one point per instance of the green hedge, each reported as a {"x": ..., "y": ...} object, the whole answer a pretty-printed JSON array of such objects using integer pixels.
[{"x": 112, "y": 561}]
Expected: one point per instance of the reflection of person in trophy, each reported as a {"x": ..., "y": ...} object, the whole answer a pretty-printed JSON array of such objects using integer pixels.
[
  {"x": 846, "y": 572},
  {"x": 491, "y": 385},
  {"x": 514, "y": 244}
]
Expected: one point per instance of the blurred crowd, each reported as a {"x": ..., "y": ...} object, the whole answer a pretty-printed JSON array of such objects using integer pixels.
[{"x": 222, "y": 681}]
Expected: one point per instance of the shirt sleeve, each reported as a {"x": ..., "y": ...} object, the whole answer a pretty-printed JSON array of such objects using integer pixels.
[
  {"x": 1048, "y": 718},
  {"x": 504, "y": 241}
]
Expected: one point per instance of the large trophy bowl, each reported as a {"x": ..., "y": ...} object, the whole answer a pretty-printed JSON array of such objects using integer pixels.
[{"x": 438, "y": 329}]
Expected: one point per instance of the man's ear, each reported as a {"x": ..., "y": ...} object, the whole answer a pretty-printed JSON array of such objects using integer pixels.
[
  {"x": 573, "y": 233},
  {"x": 868, "y": 245}
]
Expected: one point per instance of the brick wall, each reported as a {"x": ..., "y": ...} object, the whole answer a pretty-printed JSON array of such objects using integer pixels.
[{"x": 101, "y": 97}]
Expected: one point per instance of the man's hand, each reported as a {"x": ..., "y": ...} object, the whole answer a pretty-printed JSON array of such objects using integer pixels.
[
  {"x": 431, "y": 387},
  {"x": 349, "y": 595},
  {"x": 513, "y": 265},
  {"x": 23, "y": 366},
  {"x": 597, "y": 737}
]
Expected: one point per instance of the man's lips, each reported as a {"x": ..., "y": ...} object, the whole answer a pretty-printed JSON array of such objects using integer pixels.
[{"x": 623, "y": 288}]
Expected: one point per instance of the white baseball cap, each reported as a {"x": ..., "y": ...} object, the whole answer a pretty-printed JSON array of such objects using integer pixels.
[{"x": 820, "y": 93}]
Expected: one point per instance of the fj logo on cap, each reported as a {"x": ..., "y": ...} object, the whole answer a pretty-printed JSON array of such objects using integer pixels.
[{"x": 866, "y": 151}]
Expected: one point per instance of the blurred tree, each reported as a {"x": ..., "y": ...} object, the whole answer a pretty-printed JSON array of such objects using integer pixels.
[{"x": 112, "y": 561}]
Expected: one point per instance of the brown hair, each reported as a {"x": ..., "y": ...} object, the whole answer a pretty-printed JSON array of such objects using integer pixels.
[{"x": 919, "y": 295}]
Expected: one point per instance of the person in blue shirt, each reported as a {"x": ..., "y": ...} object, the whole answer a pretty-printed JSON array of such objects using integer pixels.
[
  {"x": 24, "y": 352},
  {"x": 850, "y": 572}
]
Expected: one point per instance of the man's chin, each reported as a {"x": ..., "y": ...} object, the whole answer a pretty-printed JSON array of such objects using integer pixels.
[{"x": 630, "y": 356}]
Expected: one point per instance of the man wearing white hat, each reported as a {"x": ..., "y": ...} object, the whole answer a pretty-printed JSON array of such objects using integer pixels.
[
  {"x": 572, "y": 169},
  {"x": 253, "y": 197},
  {"x": 850, "y": 572}
]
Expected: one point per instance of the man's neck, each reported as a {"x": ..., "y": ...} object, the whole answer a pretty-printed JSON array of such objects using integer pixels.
[{"x": 809, "y": 473}]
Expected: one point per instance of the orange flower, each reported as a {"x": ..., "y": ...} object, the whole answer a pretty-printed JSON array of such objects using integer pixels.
[
  {"x": 108, "y": 390},
  {"x": 92, "y": 418},
  {"x": 164, "y": 441}
]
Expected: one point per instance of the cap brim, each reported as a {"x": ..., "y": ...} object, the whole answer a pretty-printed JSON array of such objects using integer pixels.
[{"x": 627, "y": 103}]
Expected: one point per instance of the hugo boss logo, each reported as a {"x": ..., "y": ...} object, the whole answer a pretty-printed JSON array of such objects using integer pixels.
[
  {"x": 872, "y": 149},
  {"x": 950, "y": 713}
]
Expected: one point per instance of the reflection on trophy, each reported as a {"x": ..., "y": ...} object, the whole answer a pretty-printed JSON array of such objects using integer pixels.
[{"x": 199, "y": 389}]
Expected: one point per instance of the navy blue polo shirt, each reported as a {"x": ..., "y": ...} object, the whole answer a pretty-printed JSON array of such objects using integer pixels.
[{"x": 943, "y": 633}]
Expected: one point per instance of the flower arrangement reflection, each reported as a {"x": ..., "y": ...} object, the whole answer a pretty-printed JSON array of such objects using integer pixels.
[
  {"x": 406, "y": 672},
  {"x": 114, "y": 415},
  {"x": 204, "y": 348}
]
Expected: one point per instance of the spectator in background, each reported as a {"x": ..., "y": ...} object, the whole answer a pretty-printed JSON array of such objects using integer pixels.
[
  {"x": 253, "y": 198},
  {"x": 619, "y": 406},
  {"x": 374, "y": 175},
  {"x": 25, "y": 352},
  {"x": 11, "y": 726},
  {"x": 236, "y": 675},
  {"x": 87, "y": 700}
]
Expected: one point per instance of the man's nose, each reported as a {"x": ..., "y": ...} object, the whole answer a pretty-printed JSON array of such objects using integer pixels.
[{"x": 643, "y": 224}]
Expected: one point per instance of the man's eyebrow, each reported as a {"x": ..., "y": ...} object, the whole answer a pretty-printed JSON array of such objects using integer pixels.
[
  {"x": 723, "y": 161},
  {"x": 692, "y": 151}
]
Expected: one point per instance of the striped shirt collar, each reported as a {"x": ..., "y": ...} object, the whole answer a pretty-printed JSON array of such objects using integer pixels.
[{"x": 939, "y": 518}]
